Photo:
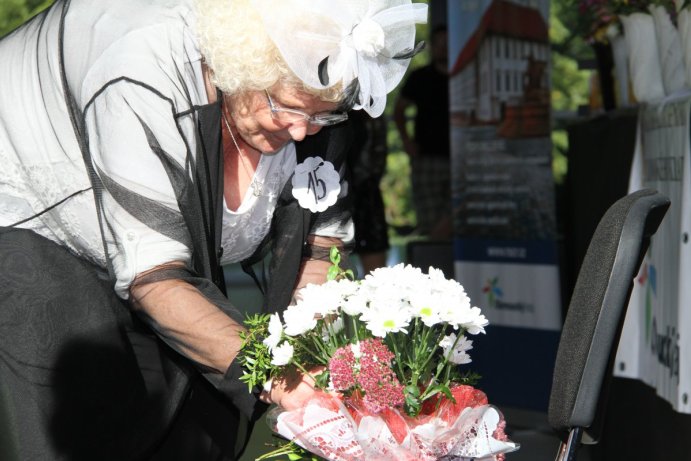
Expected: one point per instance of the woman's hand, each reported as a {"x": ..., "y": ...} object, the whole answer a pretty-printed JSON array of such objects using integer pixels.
[{"x": 292, "y": 391}]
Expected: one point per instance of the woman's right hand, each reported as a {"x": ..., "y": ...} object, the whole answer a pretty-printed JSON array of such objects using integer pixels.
[{"x": 293, "y": 391}]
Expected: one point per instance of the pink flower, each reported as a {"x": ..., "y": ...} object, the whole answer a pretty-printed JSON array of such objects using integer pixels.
[
  {"x": 376, "y": 378},
  {"x": 370, "y": 371},
  {"x": 341, "y": 368}
]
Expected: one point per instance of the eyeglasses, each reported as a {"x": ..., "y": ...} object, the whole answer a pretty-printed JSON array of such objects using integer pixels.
[{"x": 285, "y": 115}]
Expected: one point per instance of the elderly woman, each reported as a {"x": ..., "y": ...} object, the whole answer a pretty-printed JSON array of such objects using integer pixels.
[{"x": 143, "y": 145}]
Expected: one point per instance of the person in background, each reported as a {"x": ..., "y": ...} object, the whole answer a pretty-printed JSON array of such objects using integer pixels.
[
  {"x": 367, "y": 165},
  {"x": 427, "y": 89},
  {"x": 144, "y": 145}
]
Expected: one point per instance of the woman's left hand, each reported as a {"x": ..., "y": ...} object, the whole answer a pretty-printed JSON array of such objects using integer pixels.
[{"x": 315, "y": 270}]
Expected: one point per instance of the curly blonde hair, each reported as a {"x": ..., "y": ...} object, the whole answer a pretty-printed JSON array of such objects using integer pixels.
[{"x": 240, "y": 53}]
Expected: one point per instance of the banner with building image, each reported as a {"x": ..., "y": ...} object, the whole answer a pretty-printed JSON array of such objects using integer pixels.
[
  {"x": 503, "y": 188},
  {"x": 503, "y": 191}
]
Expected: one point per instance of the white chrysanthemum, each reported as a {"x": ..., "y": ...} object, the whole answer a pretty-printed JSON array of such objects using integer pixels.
[
  {"x": 320, "y": 299},
  {"x": 356, "y": 303},
  {"x": 326, "y": 299},
  {"x": 427, "y": 312},
  {"x": 345, "y": 287},
  {"x": 435, "y": 274},
  {"x": 387, "y": 305},
  {"x": 457, "y": 353},
  {"x": 282, "y": 354},
  {"x": 332, "y": 327},
  {"x": 402, "y": 277},
  {"x": 428, "y": 305},
  {"x": 469, "y": 318},
  {"x": 275, "y": 332},
  {"x": 476, "y": 322},
  {"x": 381, "y": 321},
  {"x": 299, "y": 318},
  {"x": 456, "y": 310},
  {"x": 447, "y": 341}
]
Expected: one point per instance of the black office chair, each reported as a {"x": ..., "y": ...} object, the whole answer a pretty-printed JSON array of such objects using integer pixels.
[{"x": 594, "y": 320}]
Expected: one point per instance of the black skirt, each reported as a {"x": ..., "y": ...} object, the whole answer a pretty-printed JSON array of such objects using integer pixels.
[{"x": 82, "y": 379}]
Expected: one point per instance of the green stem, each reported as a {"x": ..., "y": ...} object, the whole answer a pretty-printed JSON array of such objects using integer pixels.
[
  {"x": 401, "y": 376},
  {"x": 436, "y": 344},
  {"x": 301, "y": 368},
  {"x": 445, "y": 366},
  {"x": 317, "y": 357},
  {"x": 356, "y": 329},
  {"x": 323, "y": 359},
  {"x": 286, "y": 449}
]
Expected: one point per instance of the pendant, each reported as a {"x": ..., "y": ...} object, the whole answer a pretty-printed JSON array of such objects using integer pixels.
[{"x": 256, "y": 188}]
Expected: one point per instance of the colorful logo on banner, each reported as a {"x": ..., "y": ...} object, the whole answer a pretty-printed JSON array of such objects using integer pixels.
[
  {"x": 495, "y": 293},
  {"x": 492, "y": 290},
  {"x": 664, "y": 345}
]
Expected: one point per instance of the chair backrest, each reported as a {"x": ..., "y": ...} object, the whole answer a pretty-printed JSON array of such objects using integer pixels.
[{"x": 596, "y": 313}]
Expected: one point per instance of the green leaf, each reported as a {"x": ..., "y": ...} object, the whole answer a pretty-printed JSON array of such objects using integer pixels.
[
  {"x": 322, "y": 380},
  {"x": 333, "y": 273},
  {"x": 412, "y": 405},
  {"x": 335, "y": 255}
]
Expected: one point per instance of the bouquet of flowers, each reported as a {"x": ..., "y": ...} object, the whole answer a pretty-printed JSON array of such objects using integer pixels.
[{"x": 391, "y": 347}]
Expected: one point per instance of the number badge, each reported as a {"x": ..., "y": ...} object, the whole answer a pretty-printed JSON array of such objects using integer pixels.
[{"x": 316, "y": 184}]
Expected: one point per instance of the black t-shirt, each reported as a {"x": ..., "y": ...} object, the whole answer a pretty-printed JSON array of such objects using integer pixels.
[{"x": 429, "y": 90}]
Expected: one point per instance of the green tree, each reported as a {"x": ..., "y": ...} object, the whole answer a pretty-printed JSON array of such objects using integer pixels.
[
  {"x": 570, "y": 85},
  {"x": 15, "y": 12},
  {"x": 395, "y": 185}
]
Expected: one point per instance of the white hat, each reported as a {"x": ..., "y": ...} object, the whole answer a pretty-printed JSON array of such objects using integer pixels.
[{"x": 325, "y": 42}]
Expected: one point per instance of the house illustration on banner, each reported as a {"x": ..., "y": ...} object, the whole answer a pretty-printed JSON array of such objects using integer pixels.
[{"x": 500, "y": 76}]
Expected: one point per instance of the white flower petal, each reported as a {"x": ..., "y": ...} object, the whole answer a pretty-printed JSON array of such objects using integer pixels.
[
  {"x": 299, "y": 319},
  {"x": 282, "y": 354}
]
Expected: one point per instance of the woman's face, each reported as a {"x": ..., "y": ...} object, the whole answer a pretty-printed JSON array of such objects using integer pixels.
[{"x": 252, "y": 117}]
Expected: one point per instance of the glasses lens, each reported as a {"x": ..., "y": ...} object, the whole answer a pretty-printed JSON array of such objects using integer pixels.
[
  {"x": 287, "y": 116},
  {"x": 328, "y": 119}
]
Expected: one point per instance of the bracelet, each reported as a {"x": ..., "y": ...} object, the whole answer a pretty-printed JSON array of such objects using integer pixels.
[{"x": 318, "y": 252}]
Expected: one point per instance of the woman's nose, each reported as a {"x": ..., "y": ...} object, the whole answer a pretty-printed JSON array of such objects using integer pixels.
[{"x": 299, "y": 130}]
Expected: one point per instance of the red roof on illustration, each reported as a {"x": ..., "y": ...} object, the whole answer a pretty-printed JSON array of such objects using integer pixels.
[{"x": 506, "y": 19}]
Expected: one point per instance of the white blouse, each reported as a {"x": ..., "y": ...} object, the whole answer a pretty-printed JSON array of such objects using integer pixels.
[
  {"x": 137, "y": 86},
  {"x": 246, "y": 227}
]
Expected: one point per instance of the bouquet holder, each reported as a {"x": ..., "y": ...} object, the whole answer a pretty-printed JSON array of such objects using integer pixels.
[{"x": 340, "y": 428}]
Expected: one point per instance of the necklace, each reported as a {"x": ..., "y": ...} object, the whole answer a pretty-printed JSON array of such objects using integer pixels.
[{"x": 254, "y": 184}]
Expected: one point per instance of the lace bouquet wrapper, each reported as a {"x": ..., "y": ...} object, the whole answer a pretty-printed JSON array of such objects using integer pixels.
[
  {"x": 390, "y": 355},
  {"x": 343, "y": 429}
]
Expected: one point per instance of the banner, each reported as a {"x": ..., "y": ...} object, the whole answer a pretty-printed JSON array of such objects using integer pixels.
[
  {"x": 655, "y": 346},
  {"x": 503, "y": 187}
]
